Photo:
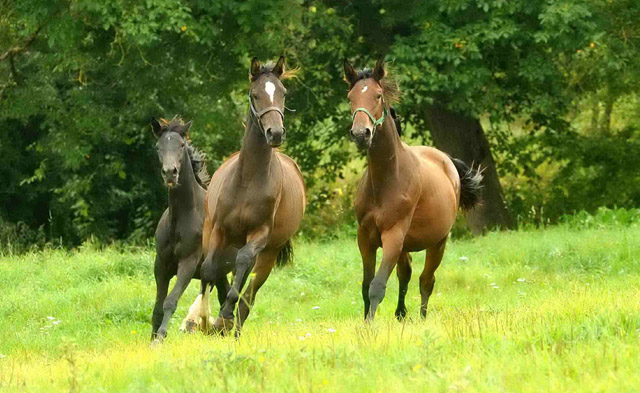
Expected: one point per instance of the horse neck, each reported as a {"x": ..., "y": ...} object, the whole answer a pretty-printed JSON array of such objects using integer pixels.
[
  {"x": 382, "y": 157},
  {"x": 255, "y": 157},
  {"x": 183, "y": 196}
]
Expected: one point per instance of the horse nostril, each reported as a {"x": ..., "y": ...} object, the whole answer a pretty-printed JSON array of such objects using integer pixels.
[
  {"x": 353, "y": 135},
  {"x": 268, "y": 133},
  {"x": 367, "y": 132},
  {"x": 175, "y": 170}
]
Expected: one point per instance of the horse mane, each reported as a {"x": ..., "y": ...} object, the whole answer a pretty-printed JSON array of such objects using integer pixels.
[
  {"x": 390, "y": 92},
  {"x": 197, "y": 158},
  {"x": 389, "y": 84},
  {"x": 268, "y": 68}
]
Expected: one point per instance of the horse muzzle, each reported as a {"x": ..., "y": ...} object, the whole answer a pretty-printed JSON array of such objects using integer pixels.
[
  {"x": 275, "y": 136},
  {"x": 170, "y": 176},
  {"x": 362, "y": 136}
]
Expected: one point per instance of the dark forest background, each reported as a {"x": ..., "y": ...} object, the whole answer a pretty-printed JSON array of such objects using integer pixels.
[{"x": 544, "y": 94}]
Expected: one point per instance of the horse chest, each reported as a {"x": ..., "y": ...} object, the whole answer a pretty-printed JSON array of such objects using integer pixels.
[{"x": 243, "y": 216}]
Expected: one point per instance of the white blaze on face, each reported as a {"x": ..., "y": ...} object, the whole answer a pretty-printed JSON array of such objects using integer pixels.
[
  {"x": 270, "y": 88},
  {"x": 365, "y": 88}
]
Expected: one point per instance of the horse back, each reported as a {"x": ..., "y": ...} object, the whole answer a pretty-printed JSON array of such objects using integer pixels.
[{"x": 437, "y": 163}]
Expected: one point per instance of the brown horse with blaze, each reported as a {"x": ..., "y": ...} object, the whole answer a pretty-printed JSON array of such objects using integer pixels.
[
  {"x": 255, "y": 203},
  {"x": 407, "y": 199}
]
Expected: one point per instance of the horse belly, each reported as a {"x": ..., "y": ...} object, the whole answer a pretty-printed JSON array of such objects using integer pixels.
[{"x": 431, "y": 222}]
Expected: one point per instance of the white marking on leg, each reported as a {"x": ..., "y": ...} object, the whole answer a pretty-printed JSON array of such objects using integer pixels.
[
  {"x": 270, "y": 88},
  {"x": 192, "y": 315},
  {"x": 205, "y": 311},
  {"x": 365, "y": 88}
]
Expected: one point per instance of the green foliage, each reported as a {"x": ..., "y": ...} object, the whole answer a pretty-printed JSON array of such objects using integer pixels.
[
  {"x": 79, "y": 81},
  {"x": 80, "y": 96}
]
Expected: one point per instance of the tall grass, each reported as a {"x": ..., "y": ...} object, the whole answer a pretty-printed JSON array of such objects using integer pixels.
[{"x": 538, "y": 310}]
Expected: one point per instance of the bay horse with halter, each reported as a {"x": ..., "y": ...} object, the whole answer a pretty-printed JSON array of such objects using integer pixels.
[
  {"x": 255, "y": 203},
  {"x": 179, "y": 231},
  {"x": 407, "y": 199}
]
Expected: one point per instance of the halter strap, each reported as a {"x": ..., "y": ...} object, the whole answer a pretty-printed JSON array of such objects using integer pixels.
[
  {"x": 258, "y": 115},
  {"x": 375, "y": 122}
]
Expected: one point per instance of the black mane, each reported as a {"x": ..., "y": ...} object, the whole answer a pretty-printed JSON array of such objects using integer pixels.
[{"x": 198, "y": 163}]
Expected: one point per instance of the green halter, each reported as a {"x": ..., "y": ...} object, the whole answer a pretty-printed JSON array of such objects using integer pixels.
[{"x": 375, "y": 122}]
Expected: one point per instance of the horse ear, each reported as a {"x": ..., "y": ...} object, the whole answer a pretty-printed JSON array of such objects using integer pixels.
[
  {"x": 378, "y": 71},
  {"x": 156, "y": 127},
  {"x": 255, "y": 67},
  {"x": 184, "y": 129},
  {"x": 350, "y": 75},
  {"x": 278, "y": 69}
]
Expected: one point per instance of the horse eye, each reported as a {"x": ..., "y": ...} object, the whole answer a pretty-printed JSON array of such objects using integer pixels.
[
  {"x": 378, "y": 96},
  {"x": 182, "y": 144}
]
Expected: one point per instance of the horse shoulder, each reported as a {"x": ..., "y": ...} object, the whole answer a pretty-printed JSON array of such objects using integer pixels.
[
  {"x": 364, "y": 197},
  {"x": 162, "y": 230},
  {"x": 293, "y": 178}
]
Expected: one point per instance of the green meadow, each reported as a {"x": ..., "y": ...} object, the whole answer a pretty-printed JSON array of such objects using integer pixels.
[{"x": 553, "y": 310}]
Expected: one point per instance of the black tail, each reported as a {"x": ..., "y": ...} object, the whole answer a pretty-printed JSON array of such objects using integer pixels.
[
  {"x": 285, "y": 256},
  {"x": 470, "y": 179}
]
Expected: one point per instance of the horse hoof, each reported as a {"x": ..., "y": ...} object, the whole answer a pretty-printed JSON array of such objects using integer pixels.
[
  {"x": 223, "y": 326},
  {"x": 156, "y": 343},
  {"x": 188, "y": 326},
  {"x": 401, "y": 315}
]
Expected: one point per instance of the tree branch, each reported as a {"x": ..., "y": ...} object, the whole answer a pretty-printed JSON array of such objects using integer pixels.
[{"x": 19, "y": 49}]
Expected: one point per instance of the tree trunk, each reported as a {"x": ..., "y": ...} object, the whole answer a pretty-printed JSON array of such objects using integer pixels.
[
  {"x": 605, "y": 128},
  {"x": 595, "y": 115},
  {"x": 462, "y": 137}
]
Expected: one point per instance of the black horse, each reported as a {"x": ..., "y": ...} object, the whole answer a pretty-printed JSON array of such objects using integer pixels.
[{"x": 179, "y": 232}]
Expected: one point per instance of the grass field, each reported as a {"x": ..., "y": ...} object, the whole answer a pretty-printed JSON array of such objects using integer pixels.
[{"x": 532, "y": 311}]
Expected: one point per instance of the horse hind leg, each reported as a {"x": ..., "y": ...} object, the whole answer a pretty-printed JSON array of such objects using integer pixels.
[
  {"x": 427, "y": 278},
  {"x": 404, "y": 276}
]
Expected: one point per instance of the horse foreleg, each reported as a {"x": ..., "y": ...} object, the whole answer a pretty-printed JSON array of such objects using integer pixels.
[
  {"x": 392, "y": 243},
  {"x": 245, "y": 260},
  {"x": 404, "y": 276},
  {"x": 427, "y": 278},
  {"x": 260, "y": 273},
  {"x": 223, "y": 287},
  {"x": 186, "y": 270},
  {"x": 368, "y": 254},
  {"x": 162, "y": 286}
]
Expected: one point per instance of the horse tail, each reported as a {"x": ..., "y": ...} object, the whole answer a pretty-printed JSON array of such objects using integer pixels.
[
  {"x": 285, "y": 256},
  {"x": 470, "y": 179}
]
